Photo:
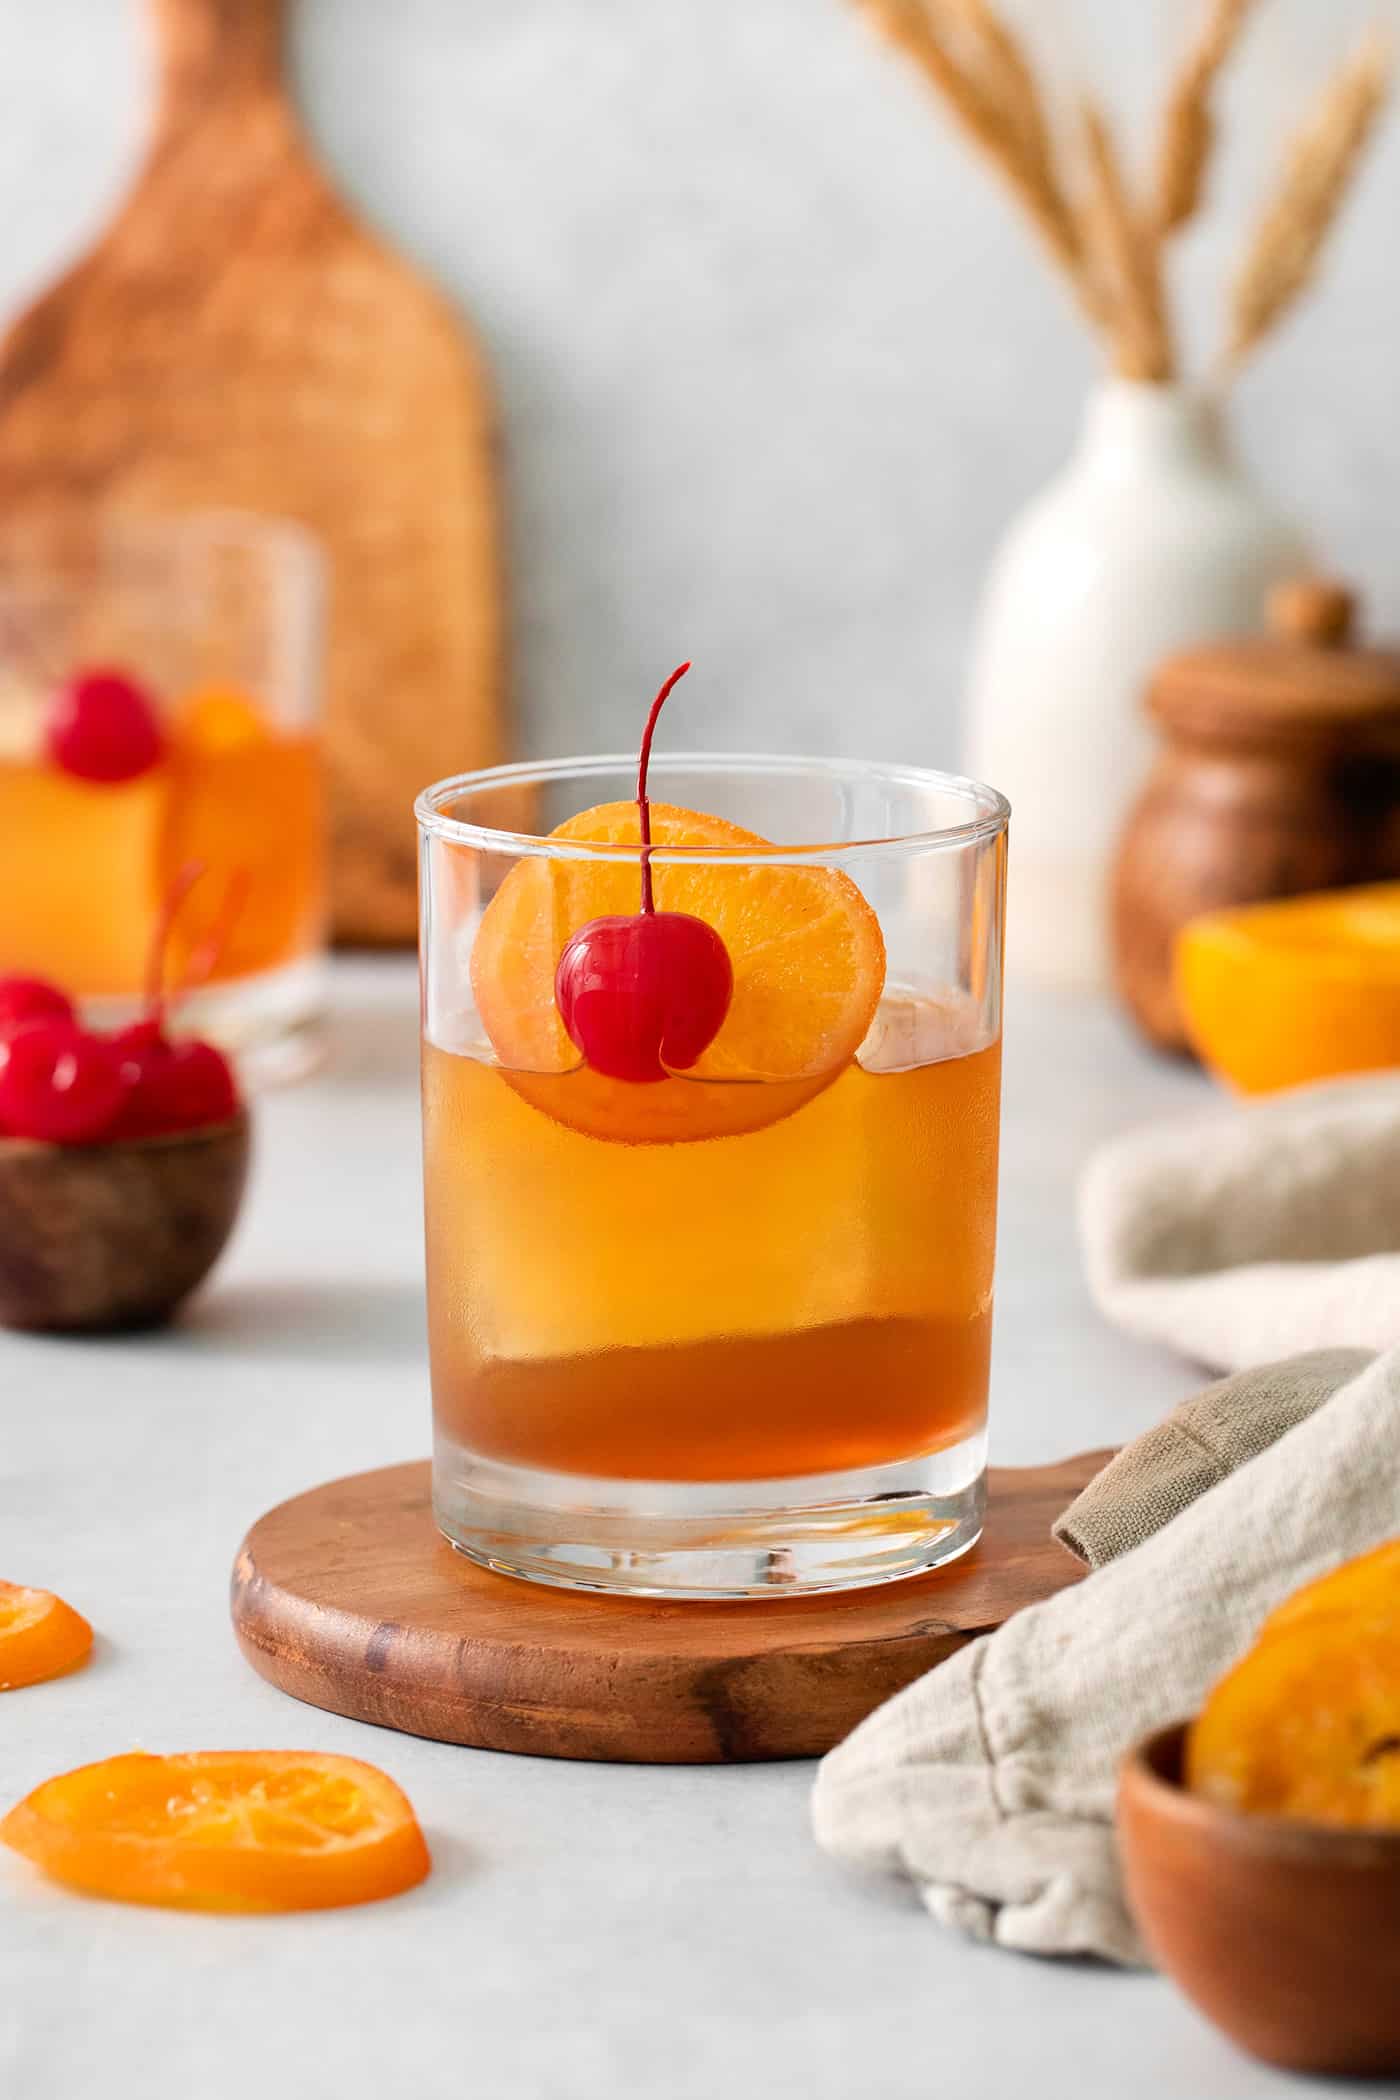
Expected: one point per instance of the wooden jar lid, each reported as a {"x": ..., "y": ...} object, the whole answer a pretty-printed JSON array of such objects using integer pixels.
[{"x": 1302, "y": 683}]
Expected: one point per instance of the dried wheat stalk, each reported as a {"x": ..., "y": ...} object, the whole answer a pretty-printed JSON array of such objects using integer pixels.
[
  {"x": 1187, "y": 138},
  {"x": 1319, "y": 166},
  {"x": 995, "y": 52},
  {"x": 1109, "y": 249},
  {"x": 982, "y": 74},
  {"x": 1128, "y": 255}
]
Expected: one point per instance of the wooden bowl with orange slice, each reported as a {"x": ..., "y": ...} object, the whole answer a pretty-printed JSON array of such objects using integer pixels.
[
  {"x": 1285, "y": 1935},
  {"x": 1261, "y": 1843}
]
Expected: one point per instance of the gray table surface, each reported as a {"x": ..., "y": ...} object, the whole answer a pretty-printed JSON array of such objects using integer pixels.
[{"x": 589, "y": 1930}]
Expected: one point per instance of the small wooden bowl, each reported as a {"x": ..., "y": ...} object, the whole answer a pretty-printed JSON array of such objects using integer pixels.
[
  {"x": 96, "y": 1238},
  {"x": 1285, "y": 1935}
]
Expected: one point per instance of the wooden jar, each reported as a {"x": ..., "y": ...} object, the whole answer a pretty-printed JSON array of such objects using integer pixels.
[{"x": 1279, "y": 773}]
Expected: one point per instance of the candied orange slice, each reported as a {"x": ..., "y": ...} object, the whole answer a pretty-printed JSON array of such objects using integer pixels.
[
  {"x": 245, "y": 1830},
  {"x": 1307, "y": 1726},
  {"x": 807, "y": 955},
  {"x": 40, "y": 1636},
  {"x": 1367, "y": 1587},
  {"x": 1277, "y": 995}
]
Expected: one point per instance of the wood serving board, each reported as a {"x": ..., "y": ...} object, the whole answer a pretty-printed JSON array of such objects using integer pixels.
[
  {"x": 237, "y": 339},
  {"x": 349, "y": 1598}
]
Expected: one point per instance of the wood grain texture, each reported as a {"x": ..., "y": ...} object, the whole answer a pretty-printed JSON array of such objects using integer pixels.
[
  {"x": 348, "y": 1598},
  {"x": 236, "y": 338}
]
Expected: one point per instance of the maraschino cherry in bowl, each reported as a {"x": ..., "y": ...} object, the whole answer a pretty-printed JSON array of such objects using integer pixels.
[
  {"x": 711, "y": 1085},
  {"x": 123, "y": 1156}
]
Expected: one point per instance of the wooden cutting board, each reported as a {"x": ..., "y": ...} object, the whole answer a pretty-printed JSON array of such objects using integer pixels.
[
  {"x": 349, "y": 1598},
  {"x": 236, "y": 338}
]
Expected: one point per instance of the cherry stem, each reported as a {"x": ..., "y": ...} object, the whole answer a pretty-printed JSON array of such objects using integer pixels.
[
  {"x": 171, "y": 906},
  {"x": 207, "y": 956},
  {"x": 205, "y": 959},
  {"x": 643, "y": 806}
]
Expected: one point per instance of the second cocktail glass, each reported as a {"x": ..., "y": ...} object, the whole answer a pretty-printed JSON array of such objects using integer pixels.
[
  {"x": 723, "y": 1333},
  {"x": 160, "y": 687}
]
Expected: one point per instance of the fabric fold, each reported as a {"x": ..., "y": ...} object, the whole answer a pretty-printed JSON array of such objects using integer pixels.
[
  {"x": 990, "y": 1782},
  {"x": 1199, "y": 1443},
  {"x": 1254, "y": 1232}
]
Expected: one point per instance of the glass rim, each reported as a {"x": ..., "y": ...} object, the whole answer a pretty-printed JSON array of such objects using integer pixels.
[{"x": 993, "y": 811}]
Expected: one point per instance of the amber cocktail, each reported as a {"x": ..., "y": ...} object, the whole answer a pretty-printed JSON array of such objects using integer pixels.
[
  {"x": 157, "y": 714},
  {"x": 722, "y": 1329}
]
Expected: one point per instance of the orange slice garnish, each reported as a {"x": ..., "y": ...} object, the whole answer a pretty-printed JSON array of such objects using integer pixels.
[
  {"x": 807, "y": 955},
  {"x": 231, "y": 1830},
  {"x": 40, "y": 1636},
  {"x": 218, "y": 718}
]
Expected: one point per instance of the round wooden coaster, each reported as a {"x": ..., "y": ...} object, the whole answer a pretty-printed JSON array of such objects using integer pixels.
[{"x": 349, "y": 1598}]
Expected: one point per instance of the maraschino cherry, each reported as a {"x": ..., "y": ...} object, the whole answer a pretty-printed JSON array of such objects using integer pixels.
[
  {"x": 24, "y": 1000},
  {"x": 644, "y": 995},
  {"x": 66, "y": 1085},
  {"x": 58, "y": 1083},
  {"x": 102, "y": 726}
]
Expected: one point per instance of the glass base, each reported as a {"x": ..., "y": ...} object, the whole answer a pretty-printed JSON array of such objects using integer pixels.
[
  {"x": 272, "y": 1025},
  {"x": 717, "y": 1539}
]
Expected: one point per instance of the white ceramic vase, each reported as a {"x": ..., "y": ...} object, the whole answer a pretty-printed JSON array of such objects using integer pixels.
[{"x": 1150, "y": 540}]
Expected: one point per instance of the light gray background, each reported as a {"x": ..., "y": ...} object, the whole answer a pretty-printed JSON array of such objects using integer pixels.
[{"x": 775, "y": 360}]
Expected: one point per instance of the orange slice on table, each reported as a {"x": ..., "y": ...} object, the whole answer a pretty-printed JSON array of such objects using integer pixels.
[
  {"x": 40, "y": 1636},
  {"x": 1277, "y": 995},
  {"x": 230, "y": 1830},
  {"x": 807, "y": 955}
]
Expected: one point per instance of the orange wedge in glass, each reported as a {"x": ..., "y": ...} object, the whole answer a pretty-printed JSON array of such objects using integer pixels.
[
  {"x": 806, "y": 951},
  {"x": 40, "y": 1636},
  {"x": 1277, "y": 995},
  {"x": 226, "y": 1830}
]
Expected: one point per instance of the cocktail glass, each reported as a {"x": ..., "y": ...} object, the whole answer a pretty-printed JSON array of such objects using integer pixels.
[
  {"x": 725, "y": 1334},
  {"x": 216, "y": 618}
]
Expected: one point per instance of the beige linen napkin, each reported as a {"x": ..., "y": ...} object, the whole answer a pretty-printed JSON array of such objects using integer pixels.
[
  {"x": 1253, "y": 1232},
  {"x": 1161, "y": 1473},
  {"x": 990, "y": 1782}
]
